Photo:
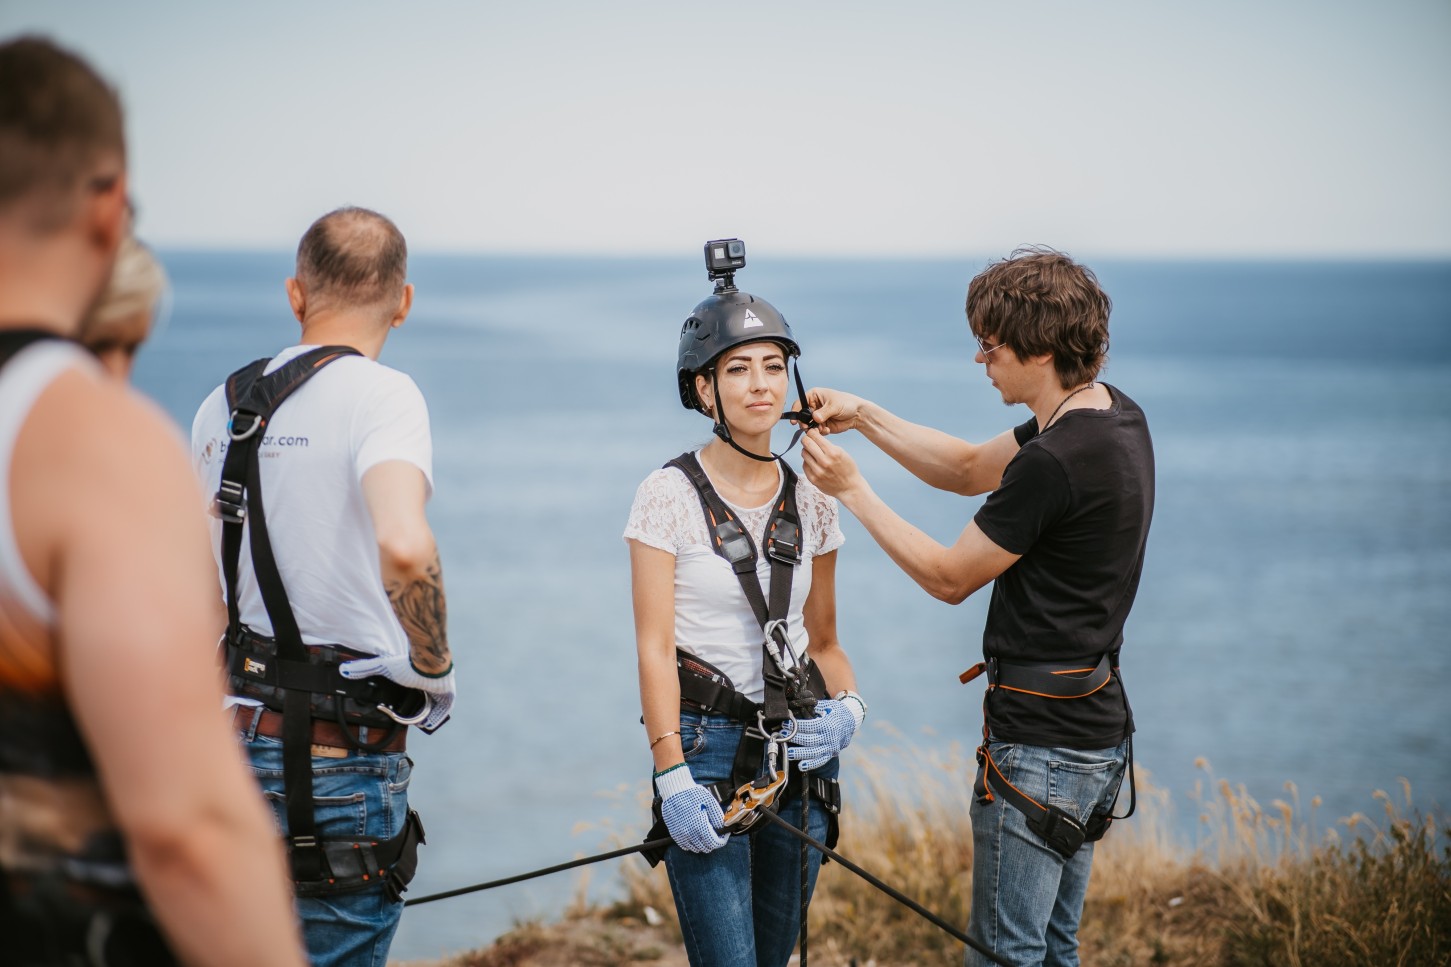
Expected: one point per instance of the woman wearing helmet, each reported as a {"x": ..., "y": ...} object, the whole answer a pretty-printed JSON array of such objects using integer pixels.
[{"x": 741, "y": 672}]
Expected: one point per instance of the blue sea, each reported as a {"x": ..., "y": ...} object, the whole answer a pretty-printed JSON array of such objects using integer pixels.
[{"x": 1292, "y": 624}]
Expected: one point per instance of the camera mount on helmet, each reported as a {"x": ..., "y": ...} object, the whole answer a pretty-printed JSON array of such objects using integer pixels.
[
  {"x": 722, "y": 258},
  {"x": 724, "y": 320}
]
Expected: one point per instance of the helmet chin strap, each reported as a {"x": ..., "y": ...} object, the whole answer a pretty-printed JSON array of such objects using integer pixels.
[{"x": 801, "y": 416}]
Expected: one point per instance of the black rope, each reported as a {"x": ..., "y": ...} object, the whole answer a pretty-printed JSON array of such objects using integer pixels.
[
  {"x": 805, "y": 861},
  {"x": 665, "y": 841},
  {"x": 900, "y": 897},
  {"x": 660, "y": 843}
]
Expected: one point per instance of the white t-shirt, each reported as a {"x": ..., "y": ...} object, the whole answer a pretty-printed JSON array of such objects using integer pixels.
[
  {"x": 353, "y": 415},
  {"x": 713, "y": 619}
]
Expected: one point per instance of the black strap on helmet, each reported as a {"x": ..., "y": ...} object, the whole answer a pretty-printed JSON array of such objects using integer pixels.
[{"x": 802, "y": 417}]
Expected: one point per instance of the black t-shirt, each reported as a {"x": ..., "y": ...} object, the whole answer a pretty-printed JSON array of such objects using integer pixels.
[{"x": 1076, "y": 503}]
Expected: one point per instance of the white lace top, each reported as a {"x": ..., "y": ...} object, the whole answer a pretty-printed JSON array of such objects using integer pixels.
[{"x": 713, "y": 620}]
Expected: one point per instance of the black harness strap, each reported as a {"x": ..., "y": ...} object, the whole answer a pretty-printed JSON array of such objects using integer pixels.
[
  {"x": 252, "y": 399},
  {"x": 14, "y": 340},
  {"x": 706, "y": 687},
  {"x": 729, "y": 539}
]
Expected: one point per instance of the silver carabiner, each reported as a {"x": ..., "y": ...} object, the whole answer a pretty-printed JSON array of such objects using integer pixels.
[{"x": 409, "y": 719}]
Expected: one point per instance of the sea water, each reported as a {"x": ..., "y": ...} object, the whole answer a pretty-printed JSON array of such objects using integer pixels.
[{"x": 1292, "y": 622}]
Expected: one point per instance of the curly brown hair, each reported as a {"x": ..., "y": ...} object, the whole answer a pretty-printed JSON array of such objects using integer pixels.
[{"x": 1038, "y": 300}]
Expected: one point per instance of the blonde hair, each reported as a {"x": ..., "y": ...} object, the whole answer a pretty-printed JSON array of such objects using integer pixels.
[{"x": 136, "y": 286}]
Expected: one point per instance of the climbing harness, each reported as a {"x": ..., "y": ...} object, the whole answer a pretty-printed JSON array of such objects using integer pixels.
[
  {"x": 1049, "y": 680},
  {"x": 791, "y": 683},
  {"x": 302, "y": 682}
]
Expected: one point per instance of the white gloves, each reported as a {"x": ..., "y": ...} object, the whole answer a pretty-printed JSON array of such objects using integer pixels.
[
  {"x": 439, "y": 689},
  {"x": 690, "y": 812},
  {"x": 822, "y": 737}
]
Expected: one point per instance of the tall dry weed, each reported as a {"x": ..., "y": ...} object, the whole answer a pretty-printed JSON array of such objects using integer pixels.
[{"x": 1256, "y": 886}]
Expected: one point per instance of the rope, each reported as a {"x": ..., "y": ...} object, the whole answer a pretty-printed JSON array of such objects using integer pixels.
[
  {"x": 660, "y": 843},
  {"x": 805, "y": 862},
  {"x": 900, "y": 897},
  {"x": 664, "y": 841}
]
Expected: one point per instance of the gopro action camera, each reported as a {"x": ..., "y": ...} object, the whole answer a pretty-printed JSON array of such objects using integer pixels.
[{"x": 723, "y": 257}]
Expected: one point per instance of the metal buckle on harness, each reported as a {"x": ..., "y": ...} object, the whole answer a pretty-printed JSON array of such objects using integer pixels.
[
  {"x": 257, "y": 423},
  {"x": 229, "y": 504},
  {"x": 784, "y": 543}
]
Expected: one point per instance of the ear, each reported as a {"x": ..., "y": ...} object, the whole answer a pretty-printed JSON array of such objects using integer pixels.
[
  {"x": 704, "y": 394},
  {"x": 405, "y": 304},
  {"x": 108, "y": 216},
  {"x": 296, "y": 297}
]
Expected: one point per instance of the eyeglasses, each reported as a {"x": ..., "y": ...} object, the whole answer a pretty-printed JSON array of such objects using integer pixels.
[{"x": 982, "y": 348}]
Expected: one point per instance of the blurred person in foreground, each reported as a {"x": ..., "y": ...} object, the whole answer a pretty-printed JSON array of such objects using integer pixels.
[
  {"x": 1061, "y": 537},
  {"x": 129, "y": 830},
  {"x": 336, "y": 641},
  {"x": 122, "y": 318}
]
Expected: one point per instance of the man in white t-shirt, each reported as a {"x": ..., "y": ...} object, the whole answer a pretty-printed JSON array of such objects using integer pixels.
[{"x": 345, "y": 466}]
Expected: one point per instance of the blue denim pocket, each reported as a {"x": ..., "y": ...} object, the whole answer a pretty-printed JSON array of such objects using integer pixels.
[
  {"x": 692, "y": 740},
  {"x": 1080, "y": 782}
]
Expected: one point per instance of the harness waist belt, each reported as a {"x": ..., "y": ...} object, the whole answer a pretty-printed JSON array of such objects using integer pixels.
[
  {"x": 1045, "y": 679},
  {"x": 324, "y": 733}
]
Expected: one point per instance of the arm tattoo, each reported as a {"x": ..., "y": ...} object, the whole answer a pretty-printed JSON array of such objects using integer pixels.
[{"x": 421, "y": 609}]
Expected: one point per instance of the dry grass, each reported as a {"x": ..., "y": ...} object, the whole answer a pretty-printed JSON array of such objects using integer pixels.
[{"x": 1258, "y": 887}]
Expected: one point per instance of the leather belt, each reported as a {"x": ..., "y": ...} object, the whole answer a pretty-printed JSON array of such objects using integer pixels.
[{"x": 325, "y": 735}]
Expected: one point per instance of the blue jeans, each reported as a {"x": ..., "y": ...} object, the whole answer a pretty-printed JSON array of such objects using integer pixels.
[
  {"x": 356, "y": 797},
  {"x": 739, "y": 906},
  {"x": 1026, "y": 898}
]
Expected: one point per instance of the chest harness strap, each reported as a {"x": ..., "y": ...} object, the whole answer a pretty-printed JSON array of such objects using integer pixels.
[
  {"x": 288, "y": 676},
  {"x": 1049, "y": 680},
  {"x": 790, "y": 691}
]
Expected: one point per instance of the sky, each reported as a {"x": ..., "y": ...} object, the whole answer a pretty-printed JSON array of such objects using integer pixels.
[{"x": 1239, "y": 128}]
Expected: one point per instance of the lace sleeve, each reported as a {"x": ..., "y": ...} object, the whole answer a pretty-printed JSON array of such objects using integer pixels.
[
  {"x": 821, "y": 517},
  {"x": 662, "y": 516}
]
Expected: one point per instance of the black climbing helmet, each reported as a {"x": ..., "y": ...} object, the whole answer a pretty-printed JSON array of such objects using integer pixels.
[{"x": 723, "y": 321}]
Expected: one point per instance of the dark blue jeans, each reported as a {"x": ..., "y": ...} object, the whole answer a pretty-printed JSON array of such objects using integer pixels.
[
  {"x": 1026, "y": 898},
  {"x": 739, "y": 906},
  {"x": 356, "y": 797}
]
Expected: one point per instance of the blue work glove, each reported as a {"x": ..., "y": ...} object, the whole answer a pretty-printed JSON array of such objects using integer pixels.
[
  {"x": 690, "y": 812},
  {"x": 439, "y": 689},
  {"x": 817, "y": 740}
]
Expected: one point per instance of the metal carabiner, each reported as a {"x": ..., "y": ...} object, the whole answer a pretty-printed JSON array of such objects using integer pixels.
[
  {"x": 407, "y": 719},
  {"x": 760, "y": 794}
]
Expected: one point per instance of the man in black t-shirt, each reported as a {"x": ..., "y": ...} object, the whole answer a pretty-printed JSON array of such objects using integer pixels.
[{"x": 1061, "y": 537}]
